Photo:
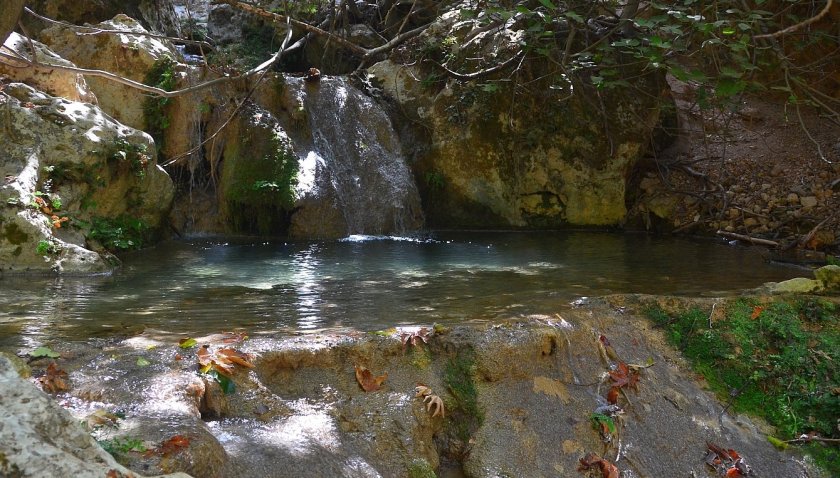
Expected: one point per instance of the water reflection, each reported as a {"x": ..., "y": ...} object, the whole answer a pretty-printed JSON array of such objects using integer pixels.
[
  {"x": 306, "y": 267},
  {"x": 364, "y": 282}
]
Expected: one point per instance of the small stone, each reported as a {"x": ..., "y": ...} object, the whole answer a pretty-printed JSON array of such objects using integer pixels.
[
  {"x": 750, "y": 222},
  {"x": 808, "y": 201},
  {"x": 733, "y": 213},
  {"x": 729, "y": 228},
  {"x": 765, "y": 197},
  {"x": 766, "y": 186},
  {"x": 793, "y": 198},
  {"x": 777, "y": 170}
]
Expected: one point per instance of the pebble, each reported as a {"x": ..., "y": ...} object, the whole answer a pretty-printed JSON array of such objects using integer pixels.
[
  {"x": 777, "y": 170},
  {"x": 808, "y": 201},
  {"x": 793, "y": 198},
  {"x": 729, "y": 228},
  {"x": 766, "y": 186},
  {"x": 750, "y": 222},
  {"x": 765, "y": 197}
]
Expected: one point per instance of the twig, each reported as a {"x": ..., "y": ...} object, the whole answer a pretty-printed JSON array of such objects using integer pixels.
[
  {"x": 711, "y": 314},
  {"x": 806, "y": 439},
  {"x": 745, "y": 238}
]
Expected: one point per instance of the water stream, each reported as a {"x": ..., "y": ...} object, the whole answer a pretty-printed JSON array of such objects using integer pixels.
[{"x": 201, "y": 286}]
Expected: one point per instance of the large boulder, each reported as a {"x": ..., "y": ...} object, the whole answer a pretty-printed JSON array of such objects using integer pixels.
[
  {"x": 488, "y": 153},
  {"x": 56, "y": 82},
  {"x": 156, "y": 15},
  {"x": 39, "y": 438},
  {"x": 75, "y": 180},
  {"x": 136, "y": 57}
]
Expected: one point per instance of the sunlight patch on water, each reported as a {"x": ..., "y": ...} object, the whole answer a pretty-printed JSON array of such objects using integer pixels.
[{"x": 370, "y": 238}]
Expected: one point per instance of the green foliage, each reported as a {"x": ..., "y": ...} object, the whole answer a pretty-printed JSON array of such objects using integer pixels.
[
  {"x": 119, "y": 234},
  {"x": 46, "y": 247},
  {"x": 434, "y": 180},
  {"x": 163, "y": 76},
  {"x": 780, "y": 361},
  {"x": 118, "y": 447},
  {"x": 420, "y": 468},
  {"x": 466, "y": 414},
  {"x": 135, "y": 155}
]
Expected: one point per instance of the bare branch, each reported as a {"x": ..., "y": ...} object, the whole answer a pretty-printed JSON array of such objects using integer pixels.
[
  {"x": 481, "y": 73},
  {"x": 799, "y": 25},
  {"x": 364, "y": 53},
  {"x": 100, "y": 31}
]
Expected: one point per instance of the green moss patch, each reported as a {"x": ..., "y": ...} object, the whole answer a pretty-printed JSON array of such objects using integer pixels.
[
  {"x": 466, "y": 415},
  {"x": 779, "y": 361}
]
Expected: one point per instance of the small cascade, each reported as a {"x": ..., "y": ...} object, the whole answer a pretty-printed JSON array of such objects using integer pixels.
[{"x": 353, "y": 178}]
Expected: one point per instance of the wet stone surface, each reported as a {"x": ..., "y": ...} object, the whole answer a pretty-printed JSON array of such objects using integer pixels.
[{"x": 517, "y": 395}]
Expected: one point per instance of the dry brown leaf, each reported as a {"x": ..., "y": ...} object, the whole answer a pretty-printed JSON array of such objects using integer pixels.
[
  {"x": 593, "y": 461},
  {"x": 54, "y": 380},
  {"x": 235, "y": 356},
  {"x": 368, "y": 382},
  {"x": 432, "y": 401}
]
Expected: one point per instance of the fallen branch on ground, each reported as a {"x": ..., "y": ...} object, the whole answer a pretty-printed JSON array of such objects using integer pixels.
[{"x": 745, "y": 238}]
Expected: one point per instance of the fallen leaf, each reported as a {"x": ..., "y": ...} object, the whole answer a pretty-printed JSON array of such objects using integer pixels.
[
  {"x": 368, "y": 382},
  {"x": 141, "y": 362},
  {"x": 173, "y": 445},
  {"x": 44, "y": 352},
  {"x": 234, "y": 337},
  {"x": 608, "y": 348},
  {"x": 235, "y": 356},
  {"x": 612, "y": 395},
  {"x": 593, "y": 461},
  {"x": 431, "y": 400},
  {"x": 623, "y": 376},
  {"x": 54, "y": 380},
  {"x": 187, "y": 343},
  {"x": 101, "y": 418},
  {"x": 757, "y": 310},
  {"x": 414, "y": 337}
]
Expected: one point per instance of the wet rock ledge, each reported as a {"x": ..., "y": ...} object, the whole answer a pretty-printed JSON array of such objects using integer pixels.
[{"x": 518, "y": 400}]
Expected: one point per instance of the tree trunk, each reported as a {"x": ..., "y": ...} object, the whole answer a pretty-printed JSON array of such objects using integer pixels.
[{"x": 9, "y": 15}]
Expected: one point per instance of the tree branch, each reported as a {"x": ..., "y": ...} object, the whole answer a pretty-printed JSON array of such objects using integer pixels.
[
  {"x": 363, "y": 53},
  {"x": 100, "y": 31},
  {"x": 799, "y": 25},
  {"x": 481, "y": 73}
]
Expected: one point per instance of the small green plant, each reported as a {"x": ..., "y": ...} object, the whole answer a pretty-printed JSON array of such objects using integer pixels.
[
  {"x": 119, "y": 234},
  {"x": 120, "y": 446},
  {"x": 435, "y": 180},
  {"x": 163, "y": 76},
  {"x": 134, "y": 154},
  {"x": 46, "y": 248}
]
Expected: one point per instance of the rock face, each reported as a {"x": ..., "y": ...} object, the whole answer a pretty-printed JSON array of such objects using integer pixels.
[
  {"x": 518, "y": 397},
  {"x": 156, "y": 15},
  {"x": 488, "y": 156},
  {"x": 131, "y": 56},
  {"x": 38, "y": 438},
  {"x": 61, "y": 160},
  {"x": 55, "y": 82}
]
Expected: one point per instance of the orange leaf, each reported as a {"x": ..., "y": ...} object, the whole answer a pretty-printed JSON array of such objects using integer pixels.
[
  {"x": 236, "y": 357},
  {"x": 204, "y": 357},
  {"x": 173, "y": 445},
  {"x": 733, "y": 473},
  {"x": 592, "y": 460},
  {"x": 222, "y": 368},
  {"x": 757, "y": 310},
  {"x": 612, "y": 395},
  {"x": 366, "y": 379}
]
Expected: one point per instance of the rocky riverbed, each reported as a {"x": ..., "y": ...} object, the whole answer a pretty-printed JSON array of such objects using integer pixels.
[{"x": 524, "y": 397}]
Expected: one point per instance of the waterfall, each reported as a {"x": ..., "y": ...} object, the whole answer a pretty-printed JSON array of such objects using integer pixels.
[{"x": 353, "y": 176}]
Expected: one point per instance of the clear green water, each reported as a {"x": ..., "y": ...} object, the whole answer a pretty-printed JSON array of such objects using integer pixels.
[{"x": 204, "y": 286}]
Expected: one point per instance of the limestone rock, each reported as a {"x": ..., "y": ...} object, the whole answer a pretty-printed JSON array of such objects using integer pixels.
[
  {"x": 130, "y": 56},
  {"x": 829, "y": 276},
  {"x": 486, "y": 157},
  {"x": 67, "y": 159},
  {"x": 156, "y": 15},
  {"x": 798, "y": 285},
  {"x": 55, "y": 82},
  {"x": 39, "y": 438}
]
